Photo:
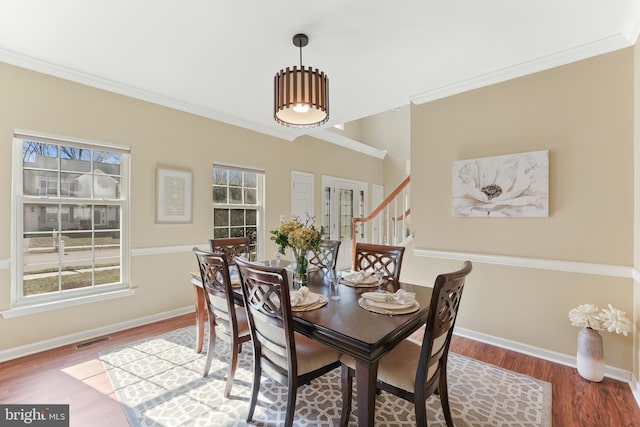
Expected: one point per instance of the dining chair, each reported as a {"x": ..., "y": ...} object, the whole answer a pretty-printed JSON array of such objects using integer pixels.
[
  {"x": 385, "y": 258},
  {"x": 284, "y": 355},
  {"x": 327, "y": 254},
  {"x": 226, "y": 320},
  {"x": 415, "y": 370},
  {"x": 232, "y": 247}
]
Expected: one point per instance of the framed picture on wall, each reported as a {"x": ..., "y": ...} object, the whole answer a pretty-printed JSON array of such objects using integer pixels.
[
  {"x": 173, "y": 196},
  {"x": 512, "y": 185}
]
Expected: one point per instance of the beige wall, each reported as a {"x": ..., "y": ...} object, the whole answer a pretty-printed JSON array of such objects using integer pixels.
[
  {"x": 158, "y": 136},
  {"x": 583, "y": 114},
  {"x": 391, "y": 131}
]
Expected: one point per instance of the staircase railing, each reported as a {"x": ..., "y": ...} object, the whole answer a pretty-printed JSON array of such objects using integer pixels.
[{"x": 389, "y": 222}]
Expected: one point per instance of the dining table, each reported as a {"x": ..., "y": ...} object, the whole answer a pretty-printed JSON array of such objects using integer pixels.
[{"x": 347, "y": 327}]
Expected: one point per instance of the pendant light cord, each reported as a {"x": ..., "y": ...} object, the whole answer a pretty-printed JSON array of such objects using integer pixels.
[{"x": 300, "y": 57}]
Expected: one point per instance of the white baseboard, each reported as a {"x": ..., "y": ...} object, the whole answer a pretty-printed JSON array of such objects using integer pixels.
[
  {"x": 25, "y": 350},
  {"x": 635, "y": 389},
  {"x": 552, "y": 356}
]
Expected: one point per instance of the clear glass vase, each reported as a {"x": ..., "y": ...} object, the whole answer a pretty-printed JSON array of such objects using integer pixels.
[{"x": 300, "y": 265}]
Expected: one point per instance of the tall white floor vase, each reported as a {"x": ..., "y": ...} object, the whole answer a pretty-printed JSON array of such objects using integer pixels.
[{"x": 590, "y": 357}]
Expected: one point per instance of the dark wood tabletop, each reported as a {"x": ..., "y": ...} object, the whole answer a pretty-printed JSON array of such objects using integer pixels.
[
  {"x": 346, "y": 326},
  {"x": 352, "y": 330}
]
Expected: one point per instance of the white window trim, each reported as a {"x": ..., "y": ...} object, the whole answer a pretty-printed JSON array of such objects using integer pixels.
[
  {"x": 21, "y": 307},
  {"x": 260, "y": 248},
  {"x": 26, "y": 310}
]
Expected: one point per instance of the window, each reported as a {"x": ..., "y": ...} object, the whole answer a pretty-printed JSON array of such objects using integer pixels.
[
  {"x": 237, "y": 204},
  {"x": 69, "y": 225}
]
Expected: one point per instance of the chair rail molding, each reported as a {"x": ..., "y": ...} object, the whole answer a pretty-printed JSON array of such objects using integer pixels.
[{"x": 534, "y": 263}]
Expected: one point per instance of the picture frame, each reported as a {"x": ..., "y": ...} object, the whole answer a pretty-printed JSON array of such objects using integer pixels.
[
  {"x": 174, "y": 191},
  {"x": 511, "y": 185}
]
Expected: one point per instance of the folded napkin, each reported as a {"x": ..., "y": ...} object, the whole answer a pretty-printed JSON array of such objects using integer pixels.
[
  {"x": 303, "y": 300},
  {"x": 401, "y": 297},
  {"x": 298, "y": 297}
]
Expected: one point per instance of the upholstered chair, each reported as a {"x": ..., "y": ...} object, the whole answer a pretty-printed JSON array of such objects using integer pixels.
[
  {"x": 284, "y": 355},
  {"x": 226, "y": 320},
  {"x": 414, "y": 370}
]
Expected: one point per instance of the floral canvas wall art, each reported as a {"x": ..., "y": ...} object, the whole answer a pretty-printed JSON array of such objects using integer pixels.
[{"x": 513, "y": 185}]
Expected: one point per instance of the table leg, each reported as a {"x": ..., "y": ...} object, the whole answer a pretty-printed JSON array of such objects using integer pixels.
[
  {"x": 366, "y": 377},
  {"x": 199, "y": 296}
]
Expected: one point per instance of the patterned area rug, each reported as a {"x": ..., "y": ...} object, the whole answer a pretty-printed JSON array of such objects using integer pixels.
[{"x": 159, "y": 383}]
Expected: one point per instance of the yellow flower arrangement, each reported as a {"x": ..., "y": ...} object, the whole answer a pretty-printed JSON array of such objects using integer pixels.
[{"x": 301, "y": 237}]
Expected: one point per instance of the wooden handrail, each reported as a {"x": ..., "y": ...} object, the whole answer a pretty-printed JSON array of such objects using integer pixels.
[
  {"x": 376, "y": 211},
  {"x": 401, "y": 217}
]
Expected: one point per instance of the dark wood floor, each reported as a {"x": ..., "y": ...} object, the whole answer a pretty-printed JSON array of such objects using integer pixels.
[{"x": 76, "y": 377}]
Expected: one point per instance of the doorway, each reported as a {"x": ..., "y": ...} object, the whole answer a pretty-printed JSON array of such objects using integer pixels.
[{"x": 342, "y": 200}]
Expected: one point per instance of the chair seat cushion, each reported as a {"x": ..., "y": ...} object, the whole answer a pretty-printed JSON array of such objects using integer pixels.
[
  {"x": 241, "y": 318},
  {"x": 313, "y": 355},
  {"x": 398, "y": 367}
]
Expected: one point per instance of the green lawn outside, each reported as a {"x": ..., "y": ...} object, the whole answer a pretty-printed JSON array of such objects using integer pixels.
[
  {"x": 47, "y": 242},
  {"x": 48, "y": 284}
]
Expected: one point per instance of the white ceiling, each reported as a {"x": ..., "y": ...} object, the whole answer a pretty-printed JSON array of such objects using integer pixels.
[{"x": 217, "y": 58}]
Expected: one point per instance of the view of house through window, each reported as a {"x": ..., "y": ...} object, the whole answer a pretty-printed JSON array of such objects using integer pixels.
[
  {"x": 70, "y": 231},
  {"x": 237, "y": 204}
]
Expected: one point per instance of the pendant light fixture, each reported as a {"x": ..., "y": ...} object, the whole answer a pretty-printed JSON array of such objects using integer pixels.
[{"x": 301, "y": 96}]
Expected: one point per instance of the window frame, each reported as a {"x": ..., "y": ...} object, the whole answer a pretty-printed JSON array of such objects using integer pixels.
[
  {"x": 26, "y": 304},
  {"x": 259, "y": 206}
]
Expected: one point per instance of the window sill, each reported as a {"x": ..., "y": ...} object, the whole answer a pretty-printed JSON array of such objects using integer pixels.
[{"x": 26, "y": 310}]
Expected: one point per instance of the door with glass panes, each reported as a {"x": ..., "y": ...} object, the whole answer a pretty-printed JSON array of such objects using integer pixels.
[{"x": 342, "y": 200}]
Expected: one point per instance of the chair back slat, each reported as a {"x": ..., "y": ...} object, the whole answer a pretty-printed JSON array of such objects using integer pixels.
[
  {"x": 388, "y": 259},
  {"x": 267, "y": 301},
  {"x": 445, "y": 301},
  {"x": 232, "y": 247},
  {"x": 327, "y": 254},
  {"x": 214, "y": 273}
]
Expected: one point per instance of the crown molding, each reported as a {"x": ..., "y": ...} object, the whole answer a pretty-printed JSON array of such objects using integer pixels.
[
  {"x": 351, "y": 144},
  {"x": 599, "y": 47},
  {"x": 631, "y": 28},
  {"x": 48, "y": 68}
]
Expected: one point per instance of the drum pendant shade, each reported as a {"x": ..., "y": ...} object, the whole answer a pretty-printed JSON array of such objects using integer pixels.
[{"x": 301, "y": 95}]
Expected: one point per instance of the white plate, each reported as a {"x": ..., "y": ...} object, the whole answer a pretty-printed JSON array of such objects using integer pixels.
[
  {"x": 389, "y": 305},
  {"x": 352, "y": 280},
  {"x": 369, "y": 307},
  {"x": 357, "y": 278},
  {"x": 379, "y": 295},
  {"x": 360, "y": 284}
]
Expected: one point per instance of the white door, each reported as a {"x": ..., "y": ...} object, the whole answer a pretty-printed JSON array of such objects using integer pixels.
[
  {"x": 302, "y": 195},
  {"x": 343, "y": 200}
]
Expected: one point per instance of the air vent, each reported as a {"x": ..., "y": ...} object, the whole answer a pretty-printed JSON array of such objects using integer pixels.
[{"x": 92, "y": 342}]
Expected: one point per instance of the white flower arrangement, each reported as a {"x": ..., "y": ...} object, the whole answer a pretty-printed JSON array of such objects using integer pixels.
[{"x": 590, "y": 316}]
